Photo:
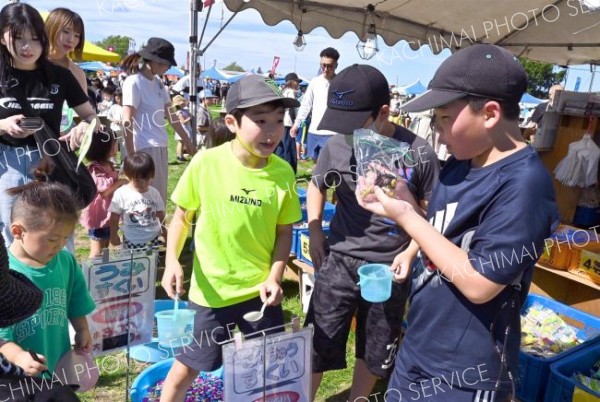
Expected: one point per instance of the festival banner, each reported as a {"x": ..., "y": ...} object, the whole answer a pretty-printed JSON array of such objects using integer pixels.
[
  {"x": 275, "y": 64},
  {"x": 273, "y": 368},
  {"x": 122, "y": 283}
]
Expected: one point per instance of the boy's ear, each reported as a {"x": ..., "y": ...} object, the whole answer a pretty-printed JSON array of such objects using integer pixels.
[
  {"x": 16, "y": 230},
  {"x": 384, "y": 111},
  {"x": 492, "y": 113},
  {"x": 231, "y": 123}
]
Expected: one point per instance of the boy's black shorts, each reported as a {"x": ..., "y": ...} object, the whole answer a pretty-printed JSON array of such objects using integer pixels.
[
  {"x": 335, "y": 298},
  {"x": 215, "y": 325}
]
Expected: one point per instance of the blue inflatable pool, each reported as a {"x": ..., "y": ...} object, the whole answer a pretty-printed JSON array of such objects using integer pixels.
[{"x": 153, "y": 374}]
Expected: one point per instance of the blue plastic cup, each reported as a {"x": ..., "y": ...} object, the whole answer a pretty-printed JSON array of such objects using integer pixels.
[
  {"x": 175, "y": 328},
  {"x": 375, "y": 282}
]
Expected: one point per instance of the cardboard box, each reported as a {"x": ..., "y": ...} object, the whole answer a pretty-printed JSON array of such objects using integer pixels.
[
  {"x": 588, "y": 264},
  {"x": 562, "y": 250}
]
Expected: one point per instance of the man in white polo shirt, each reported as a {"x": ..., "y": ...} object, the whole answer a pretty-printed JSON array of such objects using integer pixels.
[{"x": 315, "y": 99}]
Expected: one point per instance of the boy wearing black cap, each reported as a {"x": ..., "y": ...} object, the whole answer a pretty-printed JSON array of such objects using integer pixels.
[
  {"x": 246, "y": 204},
  {"x": 359, "y": 97},
  {"x": 486, "y": 223}
]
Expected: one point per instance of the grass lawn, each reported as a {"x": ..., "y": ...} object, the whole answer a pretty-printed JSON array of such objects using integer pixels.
[{"x": 113, "y": 368}]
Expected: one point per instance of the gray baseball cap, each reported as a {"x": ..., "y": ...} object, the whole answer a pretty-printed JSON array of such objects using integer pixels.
[{"x": 254, "y": 90}]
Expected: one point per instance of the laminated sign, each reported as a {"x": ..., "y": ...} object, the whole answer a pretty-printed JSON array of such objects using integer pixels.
[
  {"x": 275, "y": 368},
  {"x": 122, "y": 284}
]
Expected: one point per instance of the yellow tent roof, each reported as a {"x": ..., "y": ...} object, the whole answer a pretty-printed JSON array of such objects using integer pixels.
[{"x": 92, "y": 52}]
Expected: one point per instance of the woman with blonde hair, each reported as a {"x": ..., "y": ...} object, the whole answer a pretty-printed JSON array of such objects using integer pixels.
[{"x": 66, "y": 37}]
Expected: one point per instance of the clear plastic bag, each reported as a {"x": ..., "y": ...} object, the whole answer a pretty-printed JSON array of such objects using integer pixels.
[{"x": 381, "y": 161}]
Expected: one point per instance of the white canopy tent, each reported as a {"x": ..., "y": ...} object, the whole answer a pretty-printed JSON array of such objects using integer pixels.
[{"x": 562, "y": 32}]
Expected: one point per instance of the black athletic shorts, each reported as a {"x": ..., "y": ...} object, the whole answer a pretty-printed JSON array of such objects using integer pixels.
[
  {"x": 213, "y": 326},
  {"x": 335, "y": 298}
]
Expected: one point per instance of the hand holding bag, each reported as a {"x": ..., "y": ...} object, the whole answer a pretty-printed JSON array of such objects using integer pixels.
[
  {"x": 64, "y": 167},
  {"x": 63, "y": 161}
]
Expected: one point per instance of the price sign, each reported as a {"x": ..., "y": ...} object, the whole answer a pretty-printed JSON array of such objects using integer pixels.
[
  {"x": 305, "y": 246},
  {"x": 122, "y": 286},
  {"x": 274, "y": 368}
]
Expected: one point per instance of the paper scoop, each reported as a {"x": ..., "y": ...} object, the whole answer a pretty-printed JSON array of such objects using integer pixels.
[{"x": 78, "y": 368}]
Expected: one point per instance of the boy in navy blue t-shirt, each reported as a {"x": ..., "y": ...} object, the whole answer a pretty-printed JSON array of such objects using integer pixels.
[{"x": 487, "y": 219}]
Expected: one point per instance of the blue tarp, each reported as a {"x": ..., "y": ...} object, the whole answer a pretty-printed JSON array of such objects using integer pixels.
[
  {"x": 526, "y": 98},
  {"x": 175, "y": 71},
  {"x": 95, "y": 66},
  {"x": 416, "y": 88},
  {"x": 214, "y": 74},
  {"x": 281, "y": 81}
]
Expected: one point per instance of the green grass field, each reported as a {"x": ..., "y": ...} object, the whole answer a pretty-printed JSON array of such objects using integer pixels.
[{"x": 113, "y": 368}]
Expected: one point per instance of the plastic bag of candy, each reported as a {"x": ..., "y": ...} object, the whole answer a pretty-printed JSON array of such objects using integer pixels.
[
  {"x": 381, "y": 161},
  {"x": 545, "y": 334}
]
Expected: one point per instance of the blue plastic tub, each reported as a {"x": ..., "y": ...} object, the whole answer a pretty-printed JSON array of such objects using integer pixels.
[
  {"x": 296, "y": 238},
  {"x": 328, "y": 209},
  {"x": 151, "y": 352},
  {"x": 533, "y": 371},
  {"x": 328, "y": 212},
  {"x": 560, "y": 385},
  {"x": 153, "y": 374}
]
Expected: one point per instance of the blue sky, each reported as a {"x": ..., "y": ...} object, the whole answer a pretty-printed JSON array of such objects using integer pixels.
[{"x": 252, "y": 43}]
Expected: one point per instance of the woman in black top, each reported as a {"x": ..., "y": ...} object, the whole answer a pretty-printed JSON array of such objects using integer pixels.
[{"x": 26, "y": 72}]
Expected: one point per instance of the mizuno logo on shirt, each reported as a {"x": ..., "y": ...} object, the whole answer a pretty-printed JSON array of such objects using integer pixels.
[
  {"x": 240, "y": 199},
  {"x": 247, "y": 191}
]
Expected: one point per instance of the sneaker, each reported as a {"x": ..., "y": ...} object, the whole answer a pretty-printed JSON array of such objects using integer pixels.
[{"x": 181, "y": 158}]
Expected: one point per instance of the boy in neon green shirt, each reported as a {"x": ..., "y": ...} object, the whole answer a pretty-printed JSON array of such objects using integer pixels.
[{"x": 246, "y": 204}]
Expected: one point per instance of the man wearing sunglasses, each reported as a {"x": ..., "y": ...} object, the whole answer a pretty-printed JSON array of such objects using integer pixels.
[{"x": 315, "y": 100}]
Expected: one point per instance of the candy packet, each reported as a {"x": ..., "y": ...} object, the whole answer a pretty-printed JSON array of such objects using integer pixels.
[{"x": 381, "y": 161}]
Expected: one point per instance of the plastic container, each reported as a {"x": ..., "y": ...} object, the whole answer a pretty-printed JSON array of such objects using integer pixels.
[
  {"x": 152, "y": 352},
  {"x": 560, "y": 385},
  {"x": 296, "y": 230},
  {"x": 153, "y": 374},
  {"x": 375, "y": 282},
  {"x": 533, "y": 371},
  {"x": 175, "y": 328}
]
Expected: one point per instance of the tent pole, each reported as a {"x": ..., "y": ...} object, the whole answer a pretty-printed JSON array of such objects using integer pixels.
[
  {"x": 219, "y": 32},
  {"x": 195, "y": 8}
]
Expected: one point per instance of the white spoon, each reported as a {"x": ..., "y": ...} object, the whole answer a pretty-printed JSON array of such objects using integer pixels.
[{"x": 254, "y": 316}]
